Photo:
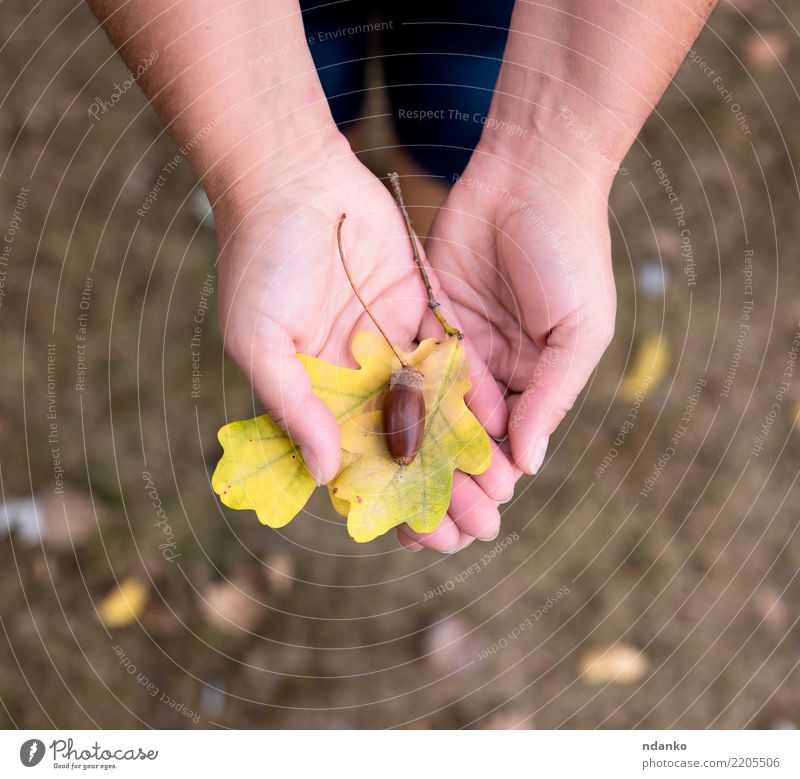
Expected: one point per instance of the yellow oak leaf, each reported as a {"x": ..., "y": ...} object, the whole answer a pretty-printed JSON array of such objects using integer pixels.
[
  {"x": 261, "y": 470},
  {"x": 124, "y": 603},
  {"x": 383, "y": 494},
  {"x": 648, "y": 368},
  {"x": 342, "y": 507},
  {"x": 348, "y": 391}
]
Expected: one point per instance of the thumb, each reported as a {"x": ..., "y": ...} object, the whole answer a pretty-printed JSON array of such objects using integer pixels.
[
  {"x": 561, "y": 372},
  {"x": 281, "y": 382}
]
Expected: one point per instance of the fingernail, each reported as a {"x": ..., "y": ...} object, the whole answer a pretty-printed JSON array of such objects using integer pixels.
[
  {"x": 539, "y": 451},
  {"x": 411, "y": 549},
  {"x": 312, "y": 463},
  {"x": 508, "y": 499}
]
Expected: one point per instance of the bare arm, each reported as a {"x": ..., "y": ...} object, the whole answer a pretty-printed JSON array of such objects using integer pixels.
[
  {"x": 233, "y": 81},
  {"x": 236, "y": 85},
  {"x": 578, "y": 80},
  {"x": 584, "y": 75}
]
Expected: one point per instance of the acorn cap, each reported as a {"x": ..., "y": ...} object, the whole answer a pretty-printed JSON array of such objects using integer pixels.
[{"x": 408, "y": 377}]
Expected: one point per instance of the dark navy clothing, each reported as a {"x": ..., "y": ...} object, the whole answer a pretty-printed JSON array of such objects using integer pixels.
[{"x": 440, "y": 62}]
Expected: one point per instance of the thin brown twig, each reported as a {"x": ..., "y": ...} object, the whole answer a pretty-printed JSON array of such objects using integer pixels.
[
  {"x": 358, "y": 294},
  {"x": 433, "y": 304}
]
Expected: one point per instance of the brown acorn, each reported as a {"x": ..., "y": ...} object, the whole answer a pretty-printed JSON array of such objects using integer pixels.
[{"x": 404, "y": 415}]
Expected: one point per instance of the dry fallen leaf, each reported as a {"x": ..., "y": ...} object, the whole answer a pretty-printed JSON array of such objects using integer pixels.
[
  {"x": 771, "y": 608},
  {"x": 509, "y": 719},
  {"x": 123, "y": 605},
  {"x": 618, "y": 664},
  {"x": 765, "y": 49},
  {"x": 648, "y": 367},
  {"x": 20, "y": 514},
  {"x": 229, "y": 607},
  {"x": 261, "y": 469},
  {"x": 68, "y": 519},
  {"x": 450, "y": 644},
  {"x": 279, "y": 572},
  {"x": 60, "y": 521}
]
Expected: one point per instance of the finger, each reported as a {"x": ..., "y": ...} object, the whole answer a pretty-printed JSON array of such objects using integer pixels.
[
  {"x": 445, "y": 538},
  {"x": 485, "y": 397},
  {"x": 466, "y": 540},
  {"x": 563, "y": 368},
  {"x": 511, "y": 401},
  {"x": 280, "y": 380},
  {"x": 412, "y": 546},
  {"x": 408, "y": 543},
  {"x": 500, "y": 478},
  {"x": 473, "y": 512}
]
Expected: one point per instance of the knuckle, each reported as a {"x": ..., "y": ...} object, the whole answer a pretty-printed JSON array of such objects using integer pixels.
[
  {"x": 565, "y": 401},
  {"x": 278, "y": 415},
  {"x": 606, "y": 334},
  {"x": 600, "y": 330}
]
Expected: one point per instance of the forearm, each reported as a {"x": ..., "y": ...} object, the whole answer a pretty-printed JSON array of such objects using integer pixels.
[
  {"x": 233, "y": 81},
  {"x": 581, "y": 76}
]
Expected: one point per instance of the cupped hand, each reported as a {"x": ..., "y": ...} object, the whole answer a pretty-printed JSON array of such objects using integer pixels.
[
  {"x": 283, "y": 291},
  {"x": 524, "y": 257}
]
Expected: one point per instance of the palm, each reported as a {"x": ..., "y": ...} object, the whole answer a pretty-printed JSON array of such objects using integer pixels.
[
  {"x": 282, "y": 273},
  {"x": 283, "y": 290},
  {"x": 527, "y": 268}
]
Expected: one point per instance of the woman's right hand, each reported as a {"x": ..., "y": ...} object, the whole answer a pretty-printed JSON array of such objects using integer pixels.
[{"x": 283, "y": 290}]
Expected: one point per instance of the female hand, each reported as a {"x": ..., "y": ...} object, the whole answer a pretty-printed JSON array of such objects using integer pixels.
[
  {"x": 283, "y": 290},
  {"x": 524, "y": 257}
]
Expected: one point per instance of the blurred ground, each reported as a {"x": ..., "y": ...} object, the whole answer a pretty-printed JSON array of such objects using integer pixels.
[{"x": 696, "y": 577}]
